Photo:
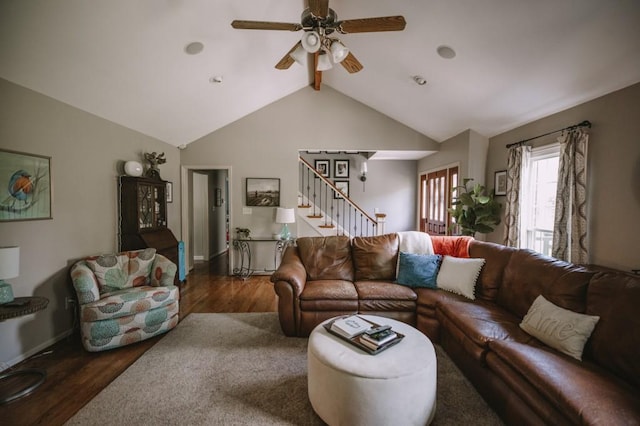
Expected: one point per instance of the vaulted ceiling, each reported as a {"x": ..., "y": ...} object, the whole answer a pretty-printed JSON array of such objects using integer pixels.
[{"x": 125, "y": 60}]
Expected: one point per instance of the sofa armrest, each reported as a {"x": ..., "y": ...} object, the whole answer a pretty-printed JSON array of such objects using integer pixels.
[
  {"x": 291, "y": 271},
  {"x": 84, "y": 283},
  {"x": 163, "y": 272}
]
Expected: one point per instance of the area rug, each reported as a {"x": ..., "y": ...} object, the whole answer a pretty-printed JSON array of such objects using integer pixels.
[{"x": 239, "y": 369}]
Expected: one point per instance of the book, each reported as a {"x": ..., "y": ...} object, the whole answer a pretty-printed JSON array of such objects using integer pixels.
[
  {"x": 357, "y": 341},
  {"x": 379, "y": 338},
  {"x": 350, "y": 326}
]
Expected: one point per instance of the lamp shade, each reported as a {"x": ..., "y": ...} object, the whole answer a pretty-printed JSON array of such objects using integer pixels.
[
  {"x": 324, "y": 63},
  {"x": 9, "y": 262},
  {"x": 285, "y": 215},
  {"x": 311, "y": 41},
  {"x": 338, "y": 51},
  {"x": 299, "y": 54}
]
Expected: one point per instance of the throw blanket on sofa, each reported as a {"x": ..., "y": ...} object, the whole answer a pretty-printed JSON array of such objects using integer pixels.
[{"x": 415, "y": 242}]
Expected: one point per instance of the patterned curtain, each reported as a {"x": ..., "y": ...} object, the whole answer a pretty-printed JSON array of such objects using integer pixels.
[
  {"x": 570, "y": 233},
  {"x": 518, "y": 157}
]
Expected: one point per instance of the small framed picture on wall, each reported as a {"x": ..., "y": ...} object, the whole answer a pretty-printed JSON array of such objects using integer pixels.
[
  {"x": 341, "y": 169},
  {"x": 500, "y": 183},
  {"x": 322, "y": 167},
  {"x": 343, "y": 187}
]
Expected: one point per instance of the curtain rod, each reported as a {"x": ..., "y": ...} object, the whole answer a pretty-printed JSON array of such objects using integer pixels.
[{"x": 585, "y": 123}]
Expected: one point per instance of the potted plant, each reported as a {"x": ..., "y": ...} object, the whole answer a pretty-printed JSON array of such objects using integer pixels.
[{"x": 474, "y": 210}]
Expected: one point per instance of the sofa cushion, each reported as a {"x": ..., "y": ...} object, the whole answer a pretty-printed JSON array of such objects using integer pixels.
[
  {"x": 375, "y": 258},
  {"x": 129, "y": 301},
  {"x": 111, "y": 271},
  {"x": 529, "y": 275},
  {"x": 614, "y": 344},
  {"x": 559, "y": 328},
  {"x": 329, "y": 295},
  {"x": 459, "y": 275},
  {"x": 382, "y": 290},
  {"x": 418, "y": 270},
  {"x": 584, "y": 392},
  {"x": 481, "y": 321},
  {"x": 497, "y": 257},
  {"x": 452, "y": 246},
  {"x": 140, "y": 263},
  {"x": 326, "y": 258}
]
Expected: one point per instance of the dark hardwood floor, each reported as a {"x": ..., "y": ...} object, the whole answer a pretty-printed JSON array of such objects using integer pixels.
[{"x": 75, "y": 376}]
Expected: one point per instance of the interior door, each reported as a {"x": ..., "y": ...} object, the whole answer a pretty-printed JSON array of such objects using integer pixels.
[{"x": 435, "y": 200}]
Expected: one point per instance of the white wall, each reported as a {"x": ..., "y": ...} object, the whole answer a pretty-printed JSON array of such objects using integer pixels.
[{"x": 87, "y": 153}]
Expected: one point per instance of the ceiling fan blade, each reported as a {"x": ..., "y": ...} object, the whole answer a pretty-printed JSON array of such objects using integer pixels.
[
  {"x": 263, "y": 25},
  {"x": 319, "y": 8},
  {"x": 287, "y": 60},
  {"x": 366, "y": 25},
  {"x": 351, "y": 64}
]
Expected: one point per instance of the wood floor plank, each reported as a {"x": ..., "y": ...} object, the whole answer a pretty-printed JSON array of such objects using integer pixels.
[{"x": 75, "y": 376}]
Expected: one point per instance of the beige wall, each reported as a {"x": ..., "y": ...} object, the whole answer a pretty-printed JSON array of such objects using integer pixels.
[
  {"x": 266, "y": 144},
  {"x": 86, "y": 157},
  {"x": 613, "y": 174}
]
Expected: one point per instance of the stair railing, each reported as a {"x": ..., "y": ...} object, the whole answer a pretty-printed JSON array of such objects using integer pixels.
[{"x": 326, "y": 201}]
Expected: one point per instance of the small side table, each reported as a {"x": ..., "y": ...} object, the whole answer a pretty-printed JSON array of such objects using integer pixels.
[
  {"x": 243, "y": 248},
  {"x": 19, "y": 307}
]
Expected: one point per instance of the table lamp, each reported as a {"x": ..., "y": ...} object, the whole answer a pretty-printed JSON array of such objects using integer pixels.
[
  {"x": 9, "y": 268},
  {"x": 285, "y": 216}
]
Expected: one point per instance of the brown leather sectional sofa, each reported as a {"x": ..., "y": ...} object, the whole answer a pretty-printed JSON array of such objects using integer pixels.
[{"x": 525, "y": 381}]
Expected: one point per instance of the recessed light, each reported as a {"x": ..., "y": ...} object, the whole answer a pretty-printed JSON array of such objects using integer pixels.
[
  {"x": 421, "y": 81},
  {"x": 194, "y": 48},
  {"x": 446, "y": 52}
]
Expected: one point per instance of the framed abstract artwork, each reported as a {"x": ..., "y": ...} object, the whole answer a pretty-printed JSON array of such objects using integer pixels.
[
  {"x": 25, "y": 186},
  {"x": 263, "y": 192}
]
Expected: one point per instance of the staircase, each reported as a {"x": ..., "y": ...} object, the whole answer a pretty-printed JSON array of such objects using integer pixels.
[{"x": 327, "y": 210}]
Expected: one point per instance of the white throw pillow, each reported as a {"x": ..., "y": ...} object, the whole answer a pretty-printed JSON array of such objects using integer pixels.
[
  {"x": 560, "y": 328},
  {"x": 459, "y": 275}
]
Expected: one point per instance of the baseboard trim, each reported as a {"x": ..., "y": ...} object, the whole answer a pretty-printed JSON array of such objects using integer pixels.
[{"x": 38, "y": 348}]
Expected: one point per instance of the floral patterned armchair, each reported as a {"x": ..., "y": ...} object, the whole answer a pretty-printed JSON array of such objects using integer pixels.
[{"x": 125, "y": 298}]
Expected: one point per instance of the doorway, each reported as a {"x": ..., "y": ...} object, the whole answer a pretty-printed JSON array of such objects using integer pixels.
[{"x": 205, "y": 212}]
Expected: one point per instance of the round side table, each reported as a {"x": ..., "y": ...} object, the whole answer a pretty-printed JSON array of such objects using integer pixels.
[{"x": 19, "y": 307}]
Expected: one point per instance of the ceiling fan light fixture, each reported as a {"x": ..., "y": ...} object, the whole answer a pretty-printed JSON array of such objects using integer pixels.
[
  {"x": 299, "y": 54},
  {"x": 311, "y": 41},
  {"x": 324, "y": 62},
  {"x": 338, "y": 51}
]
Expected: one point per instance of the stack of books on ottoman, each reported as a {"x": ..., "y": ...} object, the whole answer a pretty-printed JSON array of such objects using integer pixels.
[{"x": 370, "y": 337}]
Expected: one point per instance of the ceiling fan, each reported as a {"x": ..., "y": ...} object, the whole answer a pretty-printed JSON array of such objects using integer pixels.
[{"x": 320, "y": 23}]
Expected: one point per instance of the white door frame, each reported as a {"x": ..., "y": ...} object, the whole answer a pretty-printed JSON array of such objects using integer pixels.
[{"x": 184, "y": 206}]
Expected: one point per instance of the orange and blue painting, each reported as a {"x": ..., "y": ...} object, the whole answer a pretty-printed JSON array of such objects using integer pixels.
[{"x": 25, "y": 186}]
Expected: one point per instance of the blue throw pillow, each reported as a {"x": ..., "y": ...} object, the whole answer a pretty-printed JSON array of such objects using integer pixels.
[{"x": 418, "y": 270}]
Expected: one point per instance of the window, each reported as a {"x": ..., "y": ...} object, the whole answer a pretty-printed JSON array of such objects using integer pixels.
[
  {"x": 538, "y": 198},
  {"x": 435, "y": 200}
]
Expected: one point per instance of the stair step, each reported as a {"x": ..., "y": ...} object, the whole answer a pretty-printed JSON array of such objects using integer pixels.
[
  {"x": 303, "y": 206},
  {"x": 311, "y": 216},
  {"x": 326, "y": 226}
]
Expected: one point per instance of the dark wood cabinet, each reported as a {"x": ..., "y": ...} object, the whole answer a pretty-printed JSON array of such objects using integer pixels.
[{"x": 143, "y": 216}]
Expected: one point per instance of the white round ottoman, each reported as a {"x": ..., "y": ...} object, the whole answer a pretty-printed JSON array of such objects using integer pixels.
[{"x": 350, "y": 387}]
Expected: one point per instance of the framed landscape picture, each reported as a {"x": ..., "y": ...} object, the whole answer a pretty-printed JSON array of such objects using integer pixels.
[
  {"x": 343, "y": 187},
  {"x": 25, "y": 185},
  {"x": 322, "y": 167},
  {"x": 341, "y": 169},
  {"x": 263, "y": 192}
]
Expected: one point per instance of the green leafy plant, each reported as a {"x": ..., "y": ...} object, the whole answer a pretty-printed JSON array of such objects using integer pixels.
[{"x": 474, "y": 210}]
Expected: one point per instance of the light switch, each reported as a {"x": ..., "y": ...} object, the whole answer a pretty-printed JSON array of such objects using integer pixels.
[{"x": 247, "y": 210}]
